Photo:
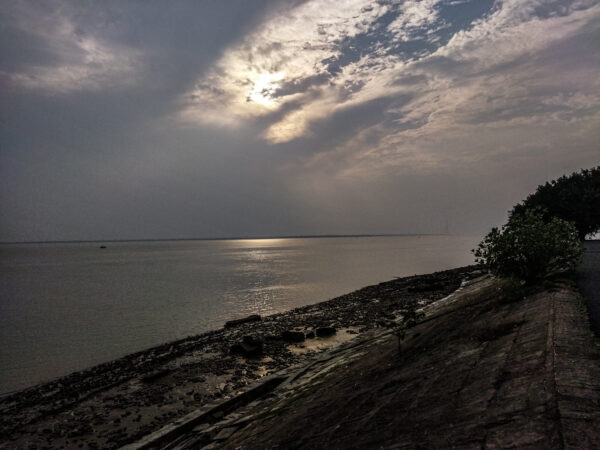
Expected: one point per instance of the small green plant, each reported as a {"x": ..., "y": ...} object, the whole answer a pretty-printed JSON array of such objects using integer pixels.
[
  {"x": 410, "y": 317},
  {"x": 530, "y": 248}
]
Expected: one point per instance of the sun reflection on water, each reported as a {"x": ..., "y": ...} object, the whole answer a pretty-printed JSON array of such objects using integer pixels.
[{"x": 261, "y": 243}]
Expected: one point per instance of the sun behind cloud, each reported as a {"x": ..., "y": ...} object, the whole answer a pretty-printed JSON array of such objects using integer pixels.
[
  {"x": 264, "y": 87},
  {"x": 291, "y": 58},
  {"x": 323, "y": 57}
]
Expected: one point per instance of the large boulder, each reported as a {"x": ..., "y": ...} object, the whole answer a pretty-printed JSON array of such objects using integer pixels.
[
  {"x": 293, "y": 336},
  {"x": 248, "y": 347},
  {"x": 325, "y": 331}
]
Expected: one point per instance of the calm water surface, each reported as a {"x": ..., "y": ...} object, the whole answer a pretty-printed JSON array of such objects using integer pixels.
[{"x": 65, "y": 307}]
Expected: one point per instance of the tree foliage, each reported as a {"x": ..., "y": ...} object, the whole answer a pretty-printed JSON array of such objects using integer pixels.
[
  {"x": 530, "y": 247},
  {"x": 574, "y": 198}
]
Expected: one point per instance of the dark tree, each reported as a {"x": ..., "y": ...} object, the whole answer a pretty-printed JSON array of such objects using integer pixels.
[{"x": 574, "y": 198}]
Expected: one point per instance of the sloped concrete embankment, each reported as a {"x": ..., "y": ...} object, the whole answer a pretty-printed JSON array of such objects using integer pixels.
[{"x": 481, "y": 371}]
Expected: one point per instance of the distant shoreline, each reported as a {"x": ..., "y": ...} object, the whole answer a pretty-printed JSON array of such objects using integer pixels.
[{"x": 234, "y": 238}]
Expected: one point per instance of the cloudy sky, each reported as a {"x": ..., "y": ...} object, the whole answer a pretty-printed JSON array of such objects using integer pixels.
[{"x": 149, "y": 119}]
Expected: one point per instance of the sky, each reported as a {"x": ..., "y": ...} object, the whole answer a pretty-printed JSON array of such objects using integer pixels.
[{"x": 192, "y": 119}]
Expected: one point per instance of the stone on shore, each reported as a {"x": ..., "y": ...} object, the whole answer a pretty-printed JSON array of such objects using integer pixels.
[
  {"x": 326, "y": 331},
  {"x": 248, "y": 347},
  {"x": 292, "y": 336},
  {"x": 155, "y": 375},
  {"x": 251, "y": 318}
]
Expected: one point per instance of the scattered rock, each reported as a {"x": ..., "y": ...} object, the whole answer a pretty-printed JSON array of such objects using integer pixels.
[
  {"x": 426, "y": 286},
  {"x": 292, "y": 336},
  {"x": 251, "y": 340},
  {"x": 252, "y": 318},
  {"x": 155, "y": 375},
  {"x": 248, "y": 347},
  {"x": 326, "y": 331}
]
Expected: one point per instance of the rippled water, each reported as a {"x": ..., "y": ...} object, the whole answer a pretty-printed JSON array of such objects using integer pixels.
[{"x": 65, "y": 307}]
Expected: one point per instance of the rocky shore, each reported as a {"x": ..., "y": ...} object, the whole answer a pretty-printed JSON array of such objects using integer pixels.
[{"x": 119, "y": 402}]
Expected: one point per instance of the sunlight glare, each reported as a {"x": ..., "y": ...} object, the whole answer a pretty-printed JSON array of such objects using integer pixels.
[{"x": 264, "y": 88}]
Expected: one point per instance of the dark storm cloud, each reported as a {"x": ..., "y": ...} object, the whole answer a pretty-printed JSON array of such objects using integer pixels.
[{"x": 181, "y": 119}]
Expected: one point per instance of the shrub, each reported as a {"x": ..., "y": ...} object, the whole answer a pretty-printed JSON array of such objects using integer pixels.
[
  {"x": 512, "y": 291},
  {"x": 529, "y": 247},
  {"x": 575, "y": 198}
]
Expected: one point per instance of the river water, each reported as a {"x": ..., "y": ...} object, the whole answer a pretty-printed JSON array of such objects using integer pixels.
[{"x": 66, "y": 307}]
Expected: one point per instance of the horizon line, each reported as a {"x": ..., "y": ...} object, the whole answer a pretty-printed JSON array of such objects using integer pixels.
[{"x": 232, "y": 238}]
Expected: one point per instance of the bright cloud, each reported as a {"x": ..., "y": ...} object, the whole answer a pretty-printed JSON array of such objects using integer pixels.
[
  {"x": 296, "y": 46},
  {"x": 305, "y": 62},
  {"x": 414, "y": 15}
]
